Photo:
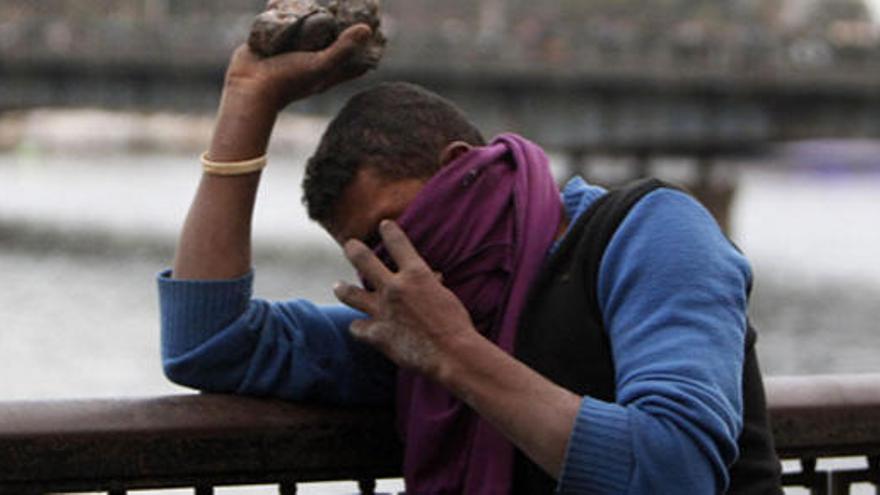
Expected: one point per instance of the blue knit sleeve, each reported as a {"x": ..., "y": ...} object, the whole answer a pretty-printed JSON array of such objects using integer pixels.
[
  {"x": 217, "y": 338},
  {"x": 672, "y": 291}
]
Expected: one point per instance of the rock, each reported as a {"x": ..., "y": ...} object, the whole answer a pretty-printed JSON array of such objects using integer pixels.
[
  {"x": 310, "y": 25},
  {"x": 351, "y": 12}
]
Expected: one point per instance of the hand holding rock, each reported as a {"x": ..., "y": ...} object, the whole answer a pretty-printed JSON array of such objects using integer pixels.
[{"x": 310, "y": 25}]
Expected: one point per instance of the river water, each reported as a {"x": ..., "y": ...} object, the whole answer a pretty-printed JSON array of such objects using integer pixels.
[{"x": 82, "y": 238}]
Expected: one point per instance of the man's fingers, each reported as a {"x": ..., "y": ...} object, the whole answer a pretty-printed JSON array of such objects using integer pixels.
[
  {"x": 345, "y": 72},
  {"x": 338, "y": 60},
  {"x": 349, "y": 42},
  {"x": 331, "y": 60},
  {"x": 355, "y": 297},
  {"x": 364, "y": 330},
  {"x": 366, "y": 263},
  {"x": 400, "y": 247}
]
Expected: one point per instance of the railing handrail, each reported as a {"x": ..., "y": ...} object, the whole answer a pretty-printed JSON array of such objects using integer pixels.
[
  {"x": 189, "y": 440},
  {"x": 206, "y": 440},
  {"x": 825, "y": 415}
]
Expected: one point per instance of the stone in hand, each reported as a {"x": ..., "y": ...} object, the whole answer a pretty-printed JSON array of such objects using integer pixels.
[
  {"x": 310, "y": 25},
  {"x": 351, "y": 12}
]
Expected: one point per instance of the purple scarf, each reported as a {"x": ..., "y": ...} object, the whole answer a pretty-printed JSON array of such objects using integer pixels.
[{"x": 486, "y": 222}]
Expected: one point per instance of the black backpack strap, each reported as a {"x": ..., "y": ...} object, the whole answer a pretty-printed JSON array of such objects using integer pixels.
[
  {"x": 560, "y": 336},
  {"x": 600, "y": 222},
  {"x": 589, "y": 236}
]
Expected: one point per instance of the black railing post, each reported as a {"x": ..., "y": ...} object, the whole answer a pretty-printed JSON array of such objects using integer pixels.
[
  {"x": 367, "y": 487},
  {"x": 838, "y": 485},
  {"x": 287, "y": 488},
  {"x": 204, "y": 490},
  {"x": 874, "y": 472},
  {"x": 818, "y": 482}
]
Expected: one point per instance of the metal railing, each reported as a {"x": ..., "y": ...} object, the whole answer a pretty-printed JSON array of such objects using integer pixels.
[
  {"x": 199, "y": 441},
  {"x": 816, "y": 417},
  {"x": 206, "y": 441}
]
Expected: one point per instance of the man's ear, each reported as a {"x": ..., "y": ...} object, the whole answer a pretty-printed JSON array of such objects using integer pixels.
[{"x": 453, "y": 151}]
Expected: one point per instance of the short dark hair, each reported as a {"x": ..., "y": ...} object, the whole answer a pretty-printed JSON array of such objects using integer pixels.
[{"x": 398, "y": 129}]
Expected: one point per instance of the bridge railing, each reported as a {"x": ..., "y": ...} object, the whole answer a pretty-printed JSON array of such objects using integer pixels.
[
  {"x": 203, "y": 42},
  {"x": 206, "y": 441}
]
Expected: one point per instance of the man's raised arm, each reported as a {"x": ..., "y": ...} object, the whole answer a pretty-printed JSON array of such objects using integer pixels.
[
  {"x": 215, "y": 336},
  {"x": 216, "y": 239}
]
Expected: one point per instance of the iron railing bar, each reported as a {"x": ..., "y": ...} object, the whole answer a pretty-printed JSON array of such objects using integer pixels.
[
  {"x": 171, "y": 442},
  {"x": 367, "y": 486},
  {"x": 874, "y": 468}
]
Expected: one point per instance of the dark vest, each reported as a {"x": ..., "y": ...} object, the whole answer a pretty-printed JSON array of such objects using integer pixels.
[{"x": 562, "y": 337}]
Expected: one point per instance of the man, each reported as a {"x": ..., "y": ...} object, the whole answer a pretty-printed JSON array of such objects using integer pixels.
[{"x": 450, "y": 235}]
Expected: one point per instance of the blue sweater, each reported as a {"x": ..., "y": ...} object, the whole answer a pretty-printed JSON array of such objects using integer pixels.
[{"x": 672, "y": 291}]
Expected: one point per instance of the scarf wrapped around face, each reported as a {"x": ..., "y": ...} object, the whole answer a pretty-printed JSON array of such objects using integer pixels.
[{"x": 486, "y": 222}]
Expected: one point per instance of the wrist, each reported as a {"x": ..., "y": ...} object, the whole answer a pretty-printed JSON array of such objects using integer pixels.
[
  {"x": 251, "y": 93},
  {"x": 460, "y": 365},
  {"x": 244, "y": 125}
]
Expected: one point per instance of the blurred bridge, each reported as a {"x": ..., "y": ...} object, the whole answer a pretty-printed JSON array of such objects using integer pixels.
[
  {"x": 582, "y": 95},
  {"x": 585, "y": 94},
  {"x": 582, "y": 99}
]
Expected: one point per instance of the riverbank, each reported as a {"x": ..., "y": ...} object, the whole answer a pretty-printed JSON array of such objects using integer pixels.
[{"x": 92, "y": 132}]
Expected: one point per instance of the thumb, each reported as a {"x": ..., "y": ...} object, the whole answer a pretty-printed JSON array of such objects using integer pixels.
[{"x": 349, "y": 42}]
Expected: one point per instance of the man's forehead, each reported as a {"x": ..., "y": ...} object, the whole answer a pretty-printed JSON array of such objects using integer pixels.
[
  {"x": 368, "y": 200},
  {"x": 356, "y": 198}
]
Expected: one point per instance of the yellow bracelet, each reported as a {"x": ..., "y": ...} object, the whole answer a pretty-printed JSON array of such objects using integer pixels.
[{"x": 233, "y": 168}]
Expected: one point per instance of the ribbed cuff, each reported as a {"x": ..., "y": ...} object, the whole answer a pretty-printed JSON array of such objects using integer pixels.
[
  {"x": 599, "y": 457},
  {"x": 194, "y": 311}
]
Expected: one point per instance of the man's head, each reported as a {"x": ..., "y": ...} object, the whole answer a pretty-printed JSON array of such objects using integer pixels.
[{"x": 378, "y": 152}]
